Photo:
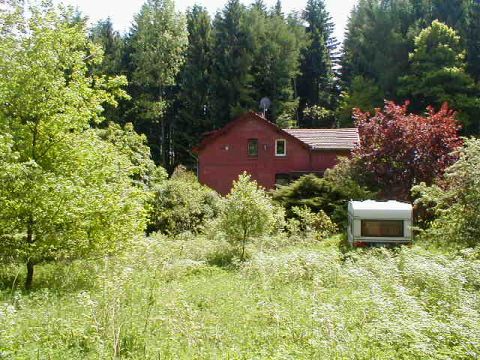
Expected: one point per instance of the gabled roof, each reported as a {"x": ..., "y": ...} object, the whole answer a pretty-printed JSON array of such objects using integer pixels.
[
  {"x": 315, "y": 139},
  {"x": 327, "y": 139}
]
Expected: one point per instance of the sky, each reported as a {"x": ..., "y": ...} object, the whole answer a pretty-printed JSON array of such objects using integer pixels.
[{"x": 121, "y": 12}]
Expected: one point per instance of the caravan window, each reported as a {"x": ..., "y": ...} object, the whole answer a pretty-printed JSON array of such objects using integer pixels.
[{"x": 382, "y": 228}]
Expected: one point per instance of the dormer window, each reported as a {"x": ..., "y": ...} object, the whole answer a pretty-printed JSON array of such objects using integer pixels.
[
  {"x": 253, "y": 147},
  {"x": 280, "y": 147}
]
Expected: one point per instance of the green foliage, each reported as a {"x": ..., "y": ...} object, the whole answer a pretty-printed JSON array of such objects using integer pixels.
[
  {"x": 65, "y": 192},
  {"x": 276, "y": 51},
  {"x": 114, "y": 62},
  {"x": 232, "y": 58},
  {"x": 157, "y": 42},
  {"x": 305, "y": 222},
  {"x": 134, "y": 147},
  {"x": 318, "y": 117},
  {"x": 394, "y": 27},
  {"x": 473, "y": 41},
  {"x": 162, "y": 296},
  {"x": 182, "y": 204},
  {"x": 247, "y": 212},
  {"x": 437, "y": 74},
  {"x": 316, "y": 85},
  {"x": 113, "y": 45},
  {"x": 455, "y": 201},
  {"x": 375, "y": 25},
  {"x": 194, "y": 115},
  {"x": 364, "y": 94},
  {"x": 330, "y": 194}
]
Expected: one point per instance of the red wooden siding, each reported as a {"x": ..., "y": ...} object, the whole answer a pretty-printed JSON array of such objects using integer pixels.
[{"x": 223, "y": 155}]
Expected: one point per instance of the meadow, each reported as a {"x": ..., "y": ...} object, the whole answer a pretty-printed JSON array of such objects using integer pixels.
[{"x": 294, "y": 298}]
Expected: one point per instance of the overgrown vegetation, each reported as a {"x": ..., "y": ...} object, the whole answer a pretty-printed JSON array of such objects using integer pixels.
[
  {"x": 329, "y": 194},
  {"x": 254, "y": 274},
  {"x": 455, "y": 201},
  {"x": 163, "y": 299},
  {"x": 247, "y": 213},
  {"x": 65, "y": 192},
  {"x": 182, "y": 204}
]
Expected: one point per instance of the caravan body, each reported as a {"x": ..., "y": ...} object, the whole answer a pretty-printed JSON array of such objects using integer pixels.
[{"x": 376, "y": 222}]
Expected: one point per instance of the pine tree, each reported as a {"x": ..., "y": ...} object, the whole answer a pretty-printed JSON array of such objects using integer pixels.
[
  {"x": 194, "y": 116},
  {"x": 316, "y": 85},
  {"x": 377, "y": 43},
  {"x": 453, "y": 13},
  {"x": 114, "y": 62}
]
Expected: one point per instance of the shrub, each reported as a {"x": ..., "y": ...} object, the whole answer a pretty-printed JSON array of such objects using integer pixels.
[
  {"x": 455, "y": 201},
  {"x": 247, "y": 212},
  {"x": 182, "y": 204},
  {"x": 307, "y": 223},
  {"x": 330, "y": 194}
]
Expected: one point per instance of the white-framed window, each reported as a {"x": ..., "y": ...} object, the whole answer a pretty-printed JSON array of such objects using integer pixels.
[{"x": 280, "y": 147}]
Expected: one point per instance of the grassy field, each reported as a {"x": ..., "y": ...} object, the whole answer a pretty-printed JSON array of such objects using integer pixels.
[{"x": 177, "y": 299}]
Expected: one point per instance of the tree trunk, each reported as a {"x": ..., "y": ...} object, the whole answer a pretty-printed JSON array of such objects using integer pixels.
[
  {"x": 29, "y": 280},
  {"x": 242, "y": 258},
  {"x": 30, "y": 263}
]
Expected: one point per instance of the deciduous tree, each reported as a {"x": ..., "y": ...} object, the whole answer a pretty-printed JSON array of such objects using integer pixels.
[
  {"x": 157, "y": 43},
  {"x": 437, "y": 75},
  {"x": 399, "y": 149},
  {"x": 65, "y": 192},
  {"x": 247, "y": 212}
]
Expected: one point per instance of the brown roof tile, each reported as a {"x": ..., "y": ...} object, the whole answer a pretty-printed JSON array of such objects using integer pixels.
[{"x": 327, "y": 139}]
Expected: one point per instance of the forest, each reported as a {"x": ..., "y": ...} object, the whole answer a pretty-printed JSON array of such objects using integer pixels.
[
  {"x": 110, "y": 247},
  {"x": 197, "y": 72}
]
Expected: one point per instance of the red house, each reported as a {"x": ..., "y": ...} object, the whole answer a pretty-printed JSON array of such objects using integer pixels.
[{"x": 270, "y": 154}]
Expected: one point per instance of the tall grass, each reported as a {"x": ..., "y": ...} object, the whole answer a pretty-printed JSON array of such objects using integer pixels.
[{"x": 169, "y": 299}]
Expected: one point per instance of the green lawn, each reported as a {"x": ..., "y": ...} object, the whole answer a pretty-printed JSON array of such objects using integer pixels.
[{"x": 167, "y": 300}]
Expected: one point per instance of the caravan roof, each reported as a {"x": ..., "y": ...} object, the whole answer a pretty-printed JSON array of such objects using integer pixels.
[{"x": 380, "y": 209}]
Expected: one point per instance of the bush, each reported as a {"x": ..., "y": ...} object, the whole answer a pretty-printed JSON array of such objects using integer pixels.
[
  {"x": 307, "y": 223},
  {"x": 455, "y": 201},
  {"x": 247, "y": 212},
  {"x": 329, "y": 194},
  {"x": 182, "y": 204}
]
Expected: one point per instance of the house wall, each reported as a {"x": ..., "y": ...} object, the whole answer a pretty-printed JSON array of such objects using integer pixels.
[
  {"x": 226, "y": 156},
  {"x": 323, "y": 160}
]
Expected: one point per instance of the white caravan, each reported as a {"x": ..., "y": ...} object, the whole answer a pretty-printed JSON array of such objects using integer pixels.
[{"x": 376, "y": 222}]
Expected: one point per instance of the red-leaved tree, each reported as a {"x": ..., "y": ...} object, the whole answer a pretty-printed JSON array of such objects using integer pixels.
[{"x": 398, "y": 150}]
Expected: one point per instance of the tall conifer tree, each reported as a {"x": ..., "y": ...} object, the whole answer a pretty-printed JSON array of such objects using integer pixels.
[
  {"x": 194, "y": 109},
  {"x": 316, "y": 85},
  {"x": 275, "y": 63},
  {"x": 232, "y": 54},
  {"x": 473, "y": 40}
]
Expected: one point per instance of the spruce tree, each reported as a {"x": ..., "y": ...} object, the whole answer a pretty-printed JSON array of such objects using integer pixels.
[
  {"x": 275, "y": 59},
  {"x": 194, "y": 114},
  {"x": 114, "y": 62},
  {"x": 232, "y": 53},
  {"x": 473, "y": 41},
  {"x": 112, "y": 43},
  {"x": 316, "y": 85}
]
